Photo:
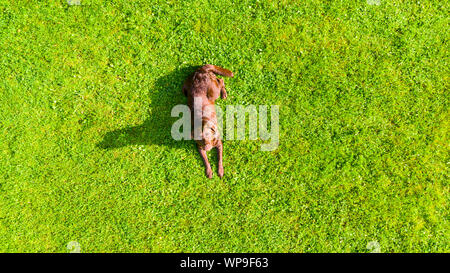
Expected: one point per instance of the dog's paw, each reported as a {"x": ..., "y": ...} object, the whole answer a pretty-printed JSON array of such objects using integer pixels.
[
  {"x": 220, "y": 172},
  {"x": 223, "y": 95},
  {"x": 209, "y": 173}
]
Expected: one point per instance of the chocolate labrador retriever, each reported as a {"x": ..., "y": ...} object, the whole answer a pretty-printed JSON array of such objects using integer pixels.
[{"x": 202, "y": 89}]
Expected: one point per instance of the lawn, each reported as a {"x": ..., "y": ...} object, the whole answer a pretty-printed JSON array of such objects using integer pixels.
[{"x": 86, "y": 153}]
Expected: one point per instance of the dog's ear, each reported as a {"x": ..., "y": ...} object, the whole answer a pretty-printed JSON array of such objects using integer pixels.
[{"x": 184, "y": 89}]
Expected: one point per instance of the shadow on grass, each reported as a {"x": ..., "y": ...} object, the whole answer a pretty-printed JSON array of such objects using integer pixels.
[{"x": 156, "y": 128}]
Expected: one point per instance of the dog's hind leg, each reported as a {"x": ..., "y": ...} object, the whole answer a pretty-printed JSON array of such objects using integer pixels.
[
  {"x": 223, "y": 92},
  {"x": 208, "y": 170}
]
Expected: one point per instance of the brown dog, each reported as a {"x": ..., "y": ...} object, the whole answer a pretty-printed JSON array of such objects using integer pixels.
[{"x": 203, "y": 87}]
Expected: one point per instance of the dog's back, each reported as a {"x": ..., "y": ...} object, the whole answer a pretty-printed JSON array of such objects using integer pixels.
[{"x": 203, "y": 79}]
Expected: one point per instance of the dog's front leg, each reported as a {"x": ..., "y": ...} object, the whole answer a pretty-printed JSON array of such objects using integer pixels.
[
  {"x": 208, "y": 170},
  {"x": 219, "y": 155}
]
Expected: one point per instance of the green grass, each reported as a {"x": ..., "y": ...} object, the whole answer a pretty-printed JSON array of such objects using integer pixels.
[{"x": 85, "y": 147}]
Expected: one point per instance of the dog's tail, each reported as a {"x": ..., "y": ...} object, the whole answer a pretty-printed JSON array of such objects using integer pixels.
[{"x": 218, "y": 70}]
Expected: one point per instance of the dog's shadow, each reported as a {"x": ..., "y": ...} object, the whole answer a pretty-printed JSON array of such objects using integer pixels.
[{"x": 156, "y": 129}]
